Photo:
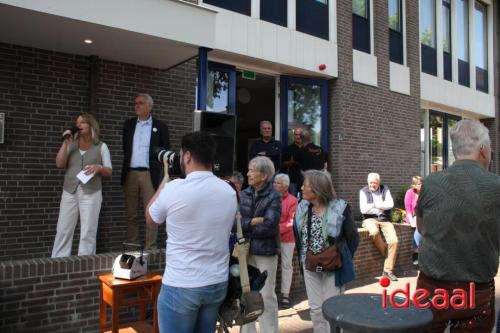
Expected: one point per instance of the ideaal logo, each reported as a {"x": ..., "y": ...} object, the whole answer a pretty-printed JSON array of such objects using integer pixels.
[{"x": 421, "y": 298}]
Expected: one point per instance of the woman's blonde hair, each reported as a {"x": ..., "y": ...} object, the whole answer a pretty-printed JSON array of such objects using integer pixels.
[
  {"x": 415, "y": 180},
  {"x": 94, "y": 126},
  {"x": 321, "y": 185}
]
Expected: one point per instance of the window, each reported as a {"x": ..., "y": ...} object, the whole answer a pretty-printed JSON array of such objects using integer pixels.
[
  {"x": 305, "y": 104},
  {"x": 361, "y": 25},
  {"x": 463, "y": 42},
  {"x": 428, "y": 36},
  {"x": 395, "y": 31},
  {"x": 312, "y": 17},
  {"x": 446, "y": 13},
  {"x": 274, "y": 11},
  {"x": 440, "y": 145},
  {"x": 481, "y": 47},
  {"x": 360, "y": 8},
  {"x": 239, "y": 6},
  {"x": 221, "y": 88}
]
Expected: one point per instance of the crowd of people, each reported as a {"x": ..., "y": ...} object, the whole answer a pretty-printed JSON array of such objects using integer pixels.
[{"x": 289, "y": 204}]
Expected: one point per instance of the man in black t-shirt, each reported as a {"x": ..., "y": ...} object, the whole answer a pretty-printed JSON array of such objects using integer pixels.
[
  {"x": 267, "y": 145},
  {"x": 311, "y": 156},
  {"x": 290, "y": 164}
]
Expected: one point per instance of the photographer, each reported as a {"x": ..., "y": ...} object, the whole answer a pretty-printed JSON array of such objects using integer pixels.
[
  {"x": 199, "y": 212},
  {"x": 80, "y": 151}
]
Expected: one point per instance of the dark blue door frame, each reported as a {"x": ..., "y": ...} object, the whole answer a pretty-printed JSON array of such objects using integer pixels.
[
  {"x": 285, "y": 81},
  {"x": 201, "y": 103}
]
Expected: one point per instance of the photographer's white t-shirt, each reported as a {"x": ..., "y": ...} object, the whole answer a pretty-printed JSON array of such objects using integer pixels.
[{"x": 199, "y": 212}]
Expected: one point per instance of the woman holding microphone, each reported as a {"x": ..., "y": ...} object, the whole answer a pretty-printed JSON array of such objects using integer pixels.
[{"x": 86, "y": 159}]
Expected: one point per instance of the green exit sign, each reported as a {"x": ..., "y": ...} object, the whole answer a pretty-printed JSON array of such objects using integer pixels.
[{"x": 249, "y": 75}]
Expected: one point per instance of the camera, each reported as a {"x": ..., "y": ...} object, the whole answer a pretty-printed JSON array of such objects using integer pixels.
[{"x": 173, "y": 159}]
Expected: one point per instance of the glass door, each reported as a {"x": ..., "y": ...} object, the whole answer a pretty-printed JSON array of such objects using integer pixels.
[
  {"x": 304, "y": 104},
  {"x": 440, "y": 145}
]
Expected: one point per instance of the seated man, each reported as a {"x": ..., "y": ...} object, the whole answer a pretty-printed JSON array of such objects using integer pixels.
[{"x": 376, "y": 202}]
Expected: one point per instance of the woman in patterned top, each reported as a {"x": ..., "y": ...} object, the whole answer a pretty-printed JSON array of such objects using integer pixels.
[{"x": 331, "y": 217}]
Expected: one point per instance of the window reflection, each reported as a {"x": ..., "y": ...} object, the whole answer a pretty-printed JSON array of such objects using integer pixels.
[
  {"x": 218, "y": 91},
  {"x": 481, "y": 36},
  {"x": 359, "y": 7},
  {"x": 394, "y": 15},
  {"x": 451, "y": 157},
  {"x": 446, "y": 26},
  {"x": 463, "y": 30},
  {"x": 304, "y": 109},
  {"x": 436, "y": 142},
  {"x": 428, "y": 22}
]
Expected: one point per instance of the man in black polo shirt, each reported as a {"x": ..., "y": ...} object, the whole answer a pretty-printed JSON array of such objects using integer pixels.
[
  {"x": 311, "y": 156},
  {"x": 458, "y": 215},
  {"x": 290, "y": 164},
  {"x": 267, "y": 145}
]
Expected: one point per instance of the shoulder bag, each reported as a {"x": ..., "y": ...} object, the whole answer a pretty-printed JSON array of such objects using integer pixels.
[{"x": 330, "y": 259}]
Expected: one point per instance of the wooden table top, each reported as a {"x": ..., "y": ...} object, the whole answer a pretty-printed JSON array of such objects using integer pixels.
[{"x": 111, "y": 281}]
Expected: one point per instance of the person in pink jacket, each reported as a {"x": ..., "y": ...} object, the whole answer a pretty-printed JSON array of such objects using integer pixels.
[
  {"x": 411, "y": 198},
  {"x": 288, "y": 207}
]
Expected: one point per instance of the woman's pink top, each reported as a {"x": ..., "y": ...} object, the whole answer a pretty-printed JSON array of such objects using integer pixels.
[
  {"x": 411, "y": 198},
  {"x": 288, "y": 207}
]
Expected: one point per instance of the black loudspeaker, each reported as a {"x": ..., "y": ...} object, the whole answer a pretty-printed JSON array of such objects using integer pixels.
[{"x": 222, "y": 127}]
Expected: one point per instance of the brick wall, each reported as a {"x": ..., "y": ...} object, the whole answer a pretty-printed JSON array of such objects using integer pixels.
[
  {"x": 62, "y": 294},
  {"x": 58, "y": 295},
  {"x": 372, "y": 129},
  {"x": 41, "y": 92}
]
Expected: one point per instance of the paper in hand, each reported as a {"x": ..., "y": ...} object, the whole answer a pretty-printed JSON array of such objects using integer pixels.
[{"x": 83, "y": 177}]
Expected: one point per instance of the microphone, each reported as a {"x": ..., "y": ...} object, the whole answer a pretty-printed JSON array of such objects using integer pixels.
[{"x": 73, "y": 130}]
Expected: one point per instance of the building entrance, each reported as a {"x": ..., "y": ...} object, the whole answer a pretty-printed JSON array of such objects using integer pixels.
[{"x": 255, "y": 101}]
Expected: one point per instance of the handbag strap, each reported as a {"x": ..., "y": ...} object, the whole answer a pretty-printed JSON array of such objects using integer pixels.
[{"x": 243, "y": 250}]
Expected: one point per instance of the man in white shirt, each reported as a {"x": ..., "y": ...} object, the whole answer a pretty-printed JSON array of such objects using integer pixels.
[
  {"x": 376, "y": 202},
  {"x": 199, "y": 212}
]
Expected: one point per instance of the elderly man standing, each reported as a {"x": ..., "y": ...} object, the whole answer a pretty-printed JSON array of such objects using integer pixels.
[
  {"x": 141, "y": 171},
  {"x": 312, "y": 157},
  {"x": 458, "y": 214},
  {"x": 376, "y": 202},
  {"x": 290, "y": 162},
  {"x": 267, "y": 145}
]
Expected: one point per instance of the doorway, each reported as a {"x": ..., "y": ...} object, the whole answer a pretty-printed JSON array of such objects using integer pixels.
[{"x": 255, "y": 101}]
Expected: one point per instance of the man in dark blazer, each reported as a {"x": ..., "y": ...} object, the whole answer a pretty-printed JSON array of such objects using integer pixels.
[{"x": 141, "y": 171}]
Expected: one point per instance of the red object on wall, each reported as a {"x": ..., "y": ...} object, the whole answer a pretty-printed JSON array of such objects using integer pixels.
[{"x": 322, "y": 67}]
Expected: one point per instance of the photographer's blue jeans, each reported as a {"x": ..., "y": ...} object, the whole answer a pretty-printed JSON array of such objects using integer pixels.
[{"x": 188, "y": 310}]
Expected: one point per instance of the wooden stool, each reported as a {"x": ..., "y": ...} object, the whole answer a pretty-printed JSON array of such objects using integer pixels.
[{"x": 113, "y": 290}]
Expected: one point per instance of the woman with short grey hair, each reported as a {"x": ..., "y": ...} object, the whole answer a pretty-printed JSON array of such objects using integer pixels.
[
  {"x": 260, "y": 208},
  {"x": 287, "y": 244},
  {"x": 320, "y": 220}
]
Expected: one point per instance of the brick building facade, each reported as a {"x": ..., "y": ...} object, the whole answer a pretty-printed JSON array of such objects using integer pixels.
[
  {"x": 370, "y": 126},
  {"x": 42, "y": 92}
]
